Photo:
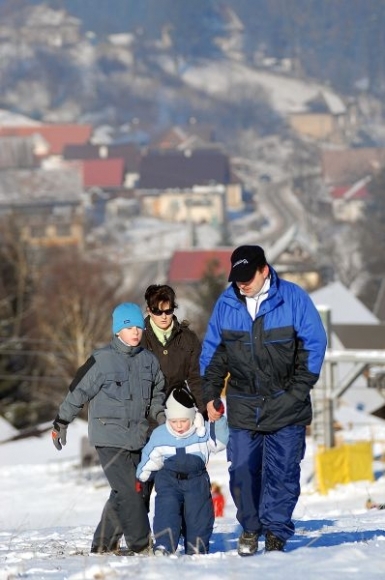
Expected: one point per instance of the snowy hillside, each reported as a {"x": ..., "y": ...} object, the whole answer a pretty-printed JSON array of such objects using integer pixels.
[
  {"x": 287, "y": 95},
  {"x": 49, "y": 508}
]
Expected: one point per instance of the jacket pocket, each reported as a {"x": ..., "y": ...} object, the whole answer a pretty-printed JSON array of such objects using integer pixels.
[
  {"x": 284, "y": 408},
  {"x": 146, "y": 386},
  {"x": 116, "y": 386}
]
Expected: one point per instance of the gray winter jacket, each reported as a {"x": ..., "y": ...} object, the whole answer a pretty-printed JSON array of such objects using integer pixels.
[{"x": 123, "y": 386}]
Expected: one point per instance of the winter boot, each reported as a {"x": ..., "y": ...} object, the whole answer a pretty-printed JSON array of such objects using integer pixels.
[
  {"x": 247, "y": 543},
  {"x": 113, "y": 548},
  {"x": 273, "y": 544},
  {"x": 161, "y": 551}
]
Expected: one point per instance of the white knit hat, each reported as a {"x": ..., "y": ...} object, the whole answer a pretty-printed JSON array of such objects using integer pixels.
[{"x": 180, "y": 404}]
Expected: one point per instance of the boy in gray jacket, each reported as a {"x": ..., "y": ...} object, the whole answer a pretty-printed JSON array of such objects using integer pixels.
[{"x": 123, "y": 384}]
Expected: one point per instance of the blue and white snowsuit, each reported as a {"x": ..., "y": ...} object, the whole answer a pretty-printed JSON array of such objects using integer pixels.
[
  {"x": 273, "y": 362},
  {"x": 182, "y": 484}
]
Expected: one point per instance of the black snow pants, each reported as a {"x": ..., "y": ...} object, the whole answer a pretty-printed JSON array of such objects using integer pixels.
[{"x": 125, "y": 510}]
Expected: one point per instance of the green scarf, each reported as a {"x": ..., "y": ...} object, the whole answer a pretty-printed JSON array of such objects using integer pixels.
[{"x": 161, "y": 335}]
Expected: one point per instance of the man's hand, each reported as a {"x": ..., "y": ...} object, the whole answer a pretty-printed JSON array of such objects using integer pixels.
[
  {"x": 215, "y": 410},
  {"x": 59, "y": 434}
]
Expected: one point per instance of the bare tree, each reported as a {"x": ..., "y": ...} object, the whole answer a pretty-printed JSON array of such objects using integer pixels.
[
  {"x": 71, "y": 314},
  {"x": 55, "y": 307}
]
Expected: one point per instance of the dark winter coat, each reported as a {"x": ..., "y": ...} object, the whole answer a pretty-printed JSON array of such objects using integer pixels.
[
  {"x": 179, "y": 358},
  {"x": 273, "y": 361},
  {"x": 124, "y": 387}
]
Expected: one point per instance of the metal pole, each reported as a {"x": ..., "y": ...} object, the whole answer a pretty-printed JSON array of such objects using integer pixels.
[{"x": 327, "y": 384}]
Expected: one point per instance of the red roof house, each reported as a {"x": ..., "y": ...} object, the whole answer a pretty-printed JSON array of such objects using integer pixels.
[
  {"x": 127, "y": 151},
  {"x": 349, "y": 201},
  {"x": 103, "y": 172},
  {"x": 189, "y": 266},
  {"x": 348, "y": 192},
  {"x": 56, "y": 136}
]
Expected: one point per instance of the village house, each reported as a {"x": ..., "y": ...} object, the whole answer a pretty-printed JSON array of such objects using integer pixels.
[
  {"x": 194, "y": 136},
  {"x": 347, "y": 166},
  {"x": 290, "y": 259},
  {"x": 346, "y": 175},
  {"x": 188, "y": 186},
  {"x": 349, "y": 202},
  {"x": 17, "y": 152},
  {"x": 354, "y": 327},
  {"x": 325, "y": 118},
  {"x": 49, "y": 139},
  {"x": 187, "y": 267},
  {"x": 129, "y": 153},
  {"x": 46, "y": 205}
]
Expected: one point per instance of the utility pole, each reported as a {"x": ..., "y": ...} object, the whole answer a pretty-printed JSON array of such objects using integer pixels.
[{"x": 322, "y": 395}]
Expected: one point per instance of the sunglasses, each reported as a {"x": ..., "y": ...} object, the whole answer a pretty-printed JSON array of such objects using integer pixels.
[{"x": 159, "y": 312}]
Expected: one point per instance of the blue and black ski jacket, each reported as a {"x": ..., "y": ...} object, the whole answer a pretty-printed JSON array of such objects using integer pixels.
[{"x": 272, "y": 361}]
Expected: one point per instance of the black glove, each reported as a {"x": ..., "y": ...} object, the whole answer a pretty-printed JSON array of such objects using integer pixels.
[{"x": 59, "y": 433}]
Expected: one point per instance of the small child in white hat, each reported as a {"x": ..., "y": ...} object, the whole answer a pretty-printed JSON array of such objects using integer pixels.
[{"x": 176, "y": 457}]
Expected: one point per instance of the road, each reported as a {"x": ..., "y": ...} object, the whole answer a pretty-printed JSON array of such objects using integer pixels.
[
  {"x": 271, "y": 226},
  {"x": 278, "y": 210}
]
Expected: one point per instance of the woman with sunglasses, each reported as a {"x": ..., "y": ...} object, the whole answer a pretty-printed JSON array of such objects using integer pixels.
[{"x": 175, "y": 345}]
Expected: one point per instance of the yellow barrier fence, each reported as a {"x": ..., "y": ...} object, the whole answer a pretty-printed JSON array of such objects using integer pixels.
[{"x": 344, "y": 464}]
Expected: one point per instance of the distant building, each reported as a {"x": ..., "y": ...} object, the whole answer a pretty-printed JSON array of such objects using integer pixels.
[
  {"x": 46, "y": 205},
  {"x": 347, "y": 166},
  {"x": 17, "y": 152},
  {"x": 192, "y": 185},
  {"x": 49, "y": 139},
  {"x": 191, "y": 137},
  {"x": 103, "y": 173},
  {"x": 187, "y": 267},
  {"x": 129, "y": 153},
  {"x": 349, "y": 202},
  {"x": 353, "y": 326},
  {"x": 325, "y": 118}
]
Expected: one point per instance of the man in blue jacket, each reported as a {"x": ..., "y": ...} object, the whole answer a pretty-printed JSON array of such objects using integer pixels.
[{"x": 267, "y": 335}]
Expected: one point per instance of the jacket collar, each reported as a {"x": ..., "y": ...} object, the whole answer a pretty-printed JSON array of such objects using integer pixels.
[
  {"x": 118, "y": 345},
  {"x": 273, "y": 290}
]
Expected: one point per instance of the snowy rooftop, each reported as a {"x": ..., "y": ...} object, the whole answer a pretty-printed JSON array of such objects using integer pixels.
[{"x": 345, "y": 307}]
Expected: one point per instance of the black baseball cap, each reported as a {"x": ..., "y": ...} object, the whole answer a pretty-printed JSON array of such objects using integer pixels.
[{"x": 245, "y": 261}]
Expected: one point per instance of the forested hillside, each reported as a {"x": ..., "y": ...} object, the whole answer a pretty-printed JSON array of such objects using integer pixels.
[{"x": 341, "y": 41}]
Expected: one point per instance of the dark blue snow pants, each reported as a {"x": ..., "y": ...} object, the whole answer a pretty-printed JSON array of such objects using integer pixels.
[
  {"x": 265, "y": 478},
  {"x": 183, "y": 501}
]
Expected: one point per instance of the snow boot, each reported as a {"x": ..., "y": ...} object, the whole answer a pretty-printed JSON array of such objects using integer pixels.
[
  {"x": 273, "y": 544},
  {"x": 248, "y": 543}
]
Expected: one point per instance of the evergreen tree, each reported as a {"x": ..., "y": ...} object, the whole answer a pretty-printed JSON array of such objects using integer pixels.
[{"x": 212, "y": 283}]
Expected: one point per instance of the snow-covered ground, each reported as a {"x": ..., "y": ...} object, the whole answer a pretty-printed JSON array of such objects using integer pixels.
[
  {"x": 227, "y": 80},
  {"x": 50, "y": 506}
]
